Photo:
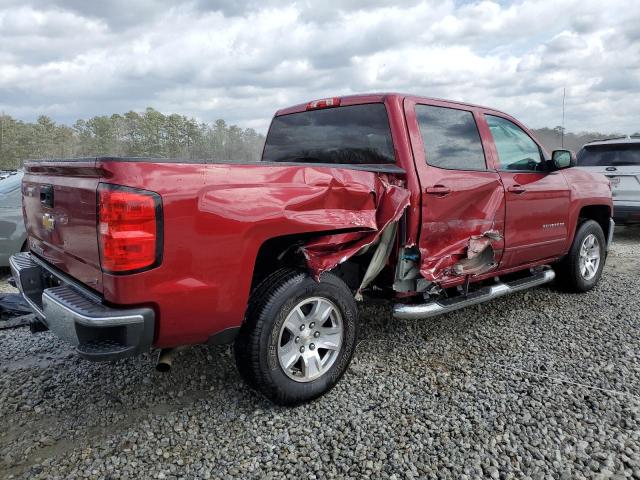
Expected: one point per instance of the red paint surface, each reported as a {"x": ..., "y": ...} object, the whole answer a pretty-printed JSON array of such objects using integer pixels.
[
  {"x": 325, "y": 252},
  {"x": 72, "y": 246},
  {"x": 216, "y": 217}
]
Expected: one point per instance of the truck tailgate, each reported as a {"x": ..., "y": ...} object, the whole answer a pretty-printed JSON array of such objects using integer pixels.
[{"x": 59, "y": 201}]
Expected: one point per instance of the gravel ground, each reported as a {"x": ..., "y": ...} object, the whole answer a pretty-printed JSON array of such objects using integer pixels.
[{"x": 540, "y": 384}]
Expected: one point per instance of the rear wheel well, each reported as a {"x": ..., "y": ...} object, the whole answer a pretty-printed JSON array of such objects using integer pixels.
[
  {"x": 285, "y": 251},
  {"x": 599, "y": 213},
  {"x": 276, "y": 253}
]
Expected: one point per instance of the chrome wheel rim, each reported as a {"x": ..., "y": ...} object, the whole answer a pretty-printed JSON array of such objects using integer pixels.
[
  {"x": 589, "y": 259},
  {"x": 310, "y": 339}
]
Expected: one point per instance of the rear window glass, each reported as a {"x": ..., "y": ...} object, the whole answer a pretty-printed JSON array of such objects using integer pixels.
[
  {"x": 357, "y": 134},
  {"x": 609, "y": 155}
]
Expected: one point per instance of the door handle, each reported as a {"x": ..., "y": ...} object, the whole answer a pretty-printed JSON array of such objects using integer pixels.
[
  {"x": 438, "y": 190},
  {"x": 516, "y": 189}
]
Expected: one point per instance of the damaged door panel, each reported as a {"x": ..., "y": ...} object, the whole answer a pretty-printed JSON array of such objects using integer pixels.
[
  {"x": 481, "y": 256},
  {"x": 538, "y": 200},
  {"x": 444, "y": 242},
  {"x": 462, "y": 197}
]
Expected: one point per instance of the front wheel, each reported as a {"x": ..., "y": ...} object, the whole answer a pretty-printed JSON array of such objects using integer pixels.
[
  {"x": 582, "y": 268},
  {"x": 298, "y": 337}
]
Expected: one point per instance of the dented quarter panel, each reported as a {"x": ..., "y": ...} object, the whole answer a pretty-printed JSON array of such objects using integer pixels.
[
  {"x": 324, "y": 253},
  {"x": 217, "y": 217}
]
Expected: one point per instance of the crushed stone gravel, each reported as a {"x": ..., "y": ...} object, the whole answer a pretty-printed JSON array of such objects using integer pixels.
[{"x": 539, "y": 384}]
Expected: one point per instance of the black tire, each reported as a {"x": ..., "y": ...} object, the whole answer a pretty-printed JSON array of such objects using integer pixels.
[
  {"x": 568, "y": 272},
  {"x": 256, "y": 347}
]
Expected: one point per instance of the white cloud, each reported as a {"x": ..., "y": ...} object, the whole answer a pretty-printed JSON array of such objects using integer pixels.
[{"x": 243, "y": 60}]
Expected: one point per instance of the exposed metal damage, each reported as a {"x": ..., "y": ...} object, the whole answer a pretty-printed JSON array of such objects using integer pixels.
[
  {"x": 466, "y": 257},
  {"x": 480, "y": 254},
  {"x": 467, "y": 238},
  {"x": 328, "y": 251}
]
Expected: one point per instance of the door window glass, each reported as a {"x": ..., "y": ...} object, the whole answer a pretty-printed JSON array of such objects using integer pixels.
[
  {"x": 516, "y": 149},
  {"x": 450, "y": 138}
]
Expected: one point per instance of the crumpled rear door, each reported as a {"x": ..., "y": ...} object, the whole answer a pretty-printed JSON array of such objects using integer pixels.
[{"x": 460, "y": 201}]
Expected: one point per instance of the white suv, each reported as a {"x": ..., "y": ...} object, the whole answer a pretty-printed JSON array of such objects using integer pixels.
[{"x": 618, "y": 159}]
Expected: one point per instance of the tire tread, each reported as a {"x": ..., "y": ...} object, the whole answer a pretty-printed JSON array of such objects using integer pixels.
[
  {"x": 249, "y": 343},
  {"x": 567, "y": 275}
]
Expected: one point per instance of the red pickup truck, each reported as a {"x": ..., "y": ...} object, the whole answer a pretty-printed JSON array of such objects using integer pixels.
[{"x": 435, "y": 204}]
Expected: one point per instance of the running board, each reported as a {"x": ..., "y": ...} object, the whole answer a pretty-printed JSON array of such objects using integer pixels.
[{"x": 431, "y": 309}]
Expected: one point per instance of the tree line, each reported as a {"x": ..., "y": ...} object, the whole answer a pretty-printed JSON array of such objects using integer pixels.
[
  {"x": 133, "y": 134},
  {"x": 153, "y": 134}
]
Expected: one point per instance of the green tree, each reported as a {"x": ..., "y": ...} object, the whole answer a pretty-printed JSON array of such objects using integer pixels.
[{"x": 145, "y": 134}]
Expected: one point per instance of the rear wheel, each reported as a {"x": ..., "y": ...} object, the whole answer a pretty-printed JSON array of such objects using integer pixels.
[
  {"x": 582, "y": 268},
  {"x": 298, "y": 337}
]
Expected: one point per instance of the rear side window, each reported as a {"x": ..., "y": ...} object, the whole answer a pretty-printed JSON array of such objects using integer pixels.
[
  {"x": 609, "y": 155},
  {"x": 357, "y": 134},
  {"x": 516, "y": 149},
  {"x": 450, "y": 138}
]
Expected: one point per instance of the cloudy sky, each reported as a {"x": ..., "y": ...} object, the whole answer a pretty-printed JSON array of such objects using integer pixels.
[{"x": 240, "y": 60}]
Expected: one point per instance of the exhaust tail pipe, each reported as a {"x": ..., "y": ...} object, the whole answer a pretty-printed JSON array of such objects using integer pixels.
[{"x": 165, "y": 358}]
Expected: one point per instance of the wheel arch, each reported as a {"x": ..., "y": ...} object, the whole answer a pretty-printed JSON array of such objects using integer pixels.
[
  {"x": 600, "y": 213},
  {"x": 285, "y": 251}
]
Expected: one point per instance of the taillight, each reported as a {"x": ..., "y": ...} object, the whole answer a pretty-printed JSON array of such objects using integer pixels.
[
  {"x": 129, "y": 228},
  {"x": 324, "y": 103}
]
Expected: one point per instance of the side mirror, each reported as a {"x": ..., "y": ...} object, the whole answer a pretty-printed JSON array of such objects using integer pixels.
[{"x": 563, "y": 159}]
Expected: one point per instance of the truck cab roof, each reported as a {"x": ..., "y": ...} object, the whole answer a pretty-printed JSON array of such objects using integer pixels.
[{"x": 381, "y": 97}]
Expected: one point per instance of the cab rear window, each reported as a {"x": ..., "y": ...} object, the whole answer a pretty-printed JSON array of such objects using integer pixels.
[
  {"x": 356, "y": 134},
  {"x": 609, "y": 155}
]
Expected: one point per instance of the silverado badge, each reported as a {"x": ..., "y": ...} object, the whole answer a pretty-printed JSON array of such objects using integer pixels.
[{"x": 48, "y": 222}]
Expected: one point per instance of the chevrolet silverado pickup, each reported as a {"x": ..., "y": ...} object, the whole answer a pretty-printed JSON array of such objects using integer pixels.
[{"x": 435, "y": 205}]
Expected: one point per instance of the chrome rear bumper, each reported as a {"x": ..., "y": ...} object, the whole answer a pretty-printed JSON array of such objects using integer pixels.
[{"x": 79, "y": 316}]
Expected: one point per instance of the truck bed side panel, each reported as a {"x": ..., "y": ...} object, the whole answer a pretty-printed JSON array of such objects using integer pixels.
[{"x": 216, "y": 217}]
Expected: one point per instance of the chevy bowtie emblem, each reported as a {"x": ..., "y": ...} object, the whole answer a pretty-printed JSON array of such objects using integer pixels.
[{"x": 48, "y": 222}]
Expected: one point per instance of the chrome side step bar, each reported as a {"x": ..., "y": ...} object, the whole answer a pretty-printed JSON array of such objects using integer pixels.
[{"x": 431, "y": 309}]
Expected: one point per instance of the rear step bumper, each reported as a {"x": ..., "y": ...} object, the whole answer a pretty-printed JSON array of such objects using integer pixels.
[
  {"x": 431, "y": 309},
  {"x": 78, "y": 316}
]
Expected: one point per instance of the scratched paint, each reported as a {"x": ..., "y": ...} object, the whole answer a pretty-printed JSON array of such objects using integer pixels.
[{"x": 448, "y": 233}]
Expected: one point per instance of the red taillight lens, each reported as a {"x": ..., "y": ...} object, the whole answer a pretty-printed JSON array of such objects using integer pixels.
[
  {"x": 324, "y": 103},
  {"x": 129, "y": 232}
]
